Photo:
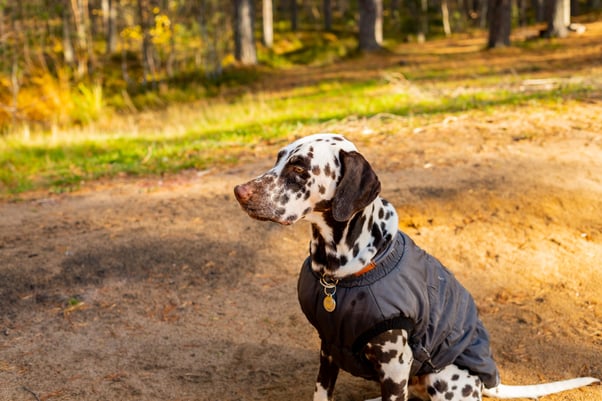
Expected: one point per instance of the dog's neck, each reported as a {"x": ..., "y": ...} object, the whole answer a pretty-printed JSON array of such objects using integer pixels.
[{"x": 341, "y": 249}]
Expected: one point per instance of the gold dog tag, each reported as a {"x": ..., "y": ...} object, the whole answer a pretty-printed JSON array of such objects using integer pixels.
[{"x": 329, "y": 303}]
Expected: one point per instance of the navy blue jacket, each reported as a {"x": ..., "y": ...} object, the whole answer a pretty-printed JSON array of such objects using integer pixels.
[{"x": 407, "y": 289}]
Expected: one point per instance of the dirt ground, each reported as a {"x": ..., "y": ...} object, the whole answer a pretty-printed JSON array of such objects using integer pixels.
[{"x": 163, "y": 289}]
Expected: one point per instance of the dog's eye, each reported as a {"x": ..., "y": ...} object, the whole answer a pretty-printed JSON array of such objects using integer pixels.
[{"x": 298, "y": 170}]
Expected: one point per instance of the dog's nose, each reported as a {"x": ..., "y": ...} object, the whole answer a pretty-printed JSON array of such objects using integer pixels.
[{"x": 243, "y": 192}]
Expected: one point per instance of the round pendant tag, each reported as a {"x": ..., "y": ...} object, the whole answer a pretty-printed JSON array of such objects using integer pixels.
[{"x": 329, "y": 303}]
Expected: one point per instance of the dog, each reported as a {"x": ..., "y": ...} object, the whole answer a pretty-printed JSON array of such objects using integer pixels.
[{"x": 385, "y": 310}]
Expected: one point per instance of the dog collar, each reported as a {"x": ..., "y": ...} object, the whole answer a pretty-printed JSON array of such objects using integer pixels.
[{"x": 365, "y": 269}]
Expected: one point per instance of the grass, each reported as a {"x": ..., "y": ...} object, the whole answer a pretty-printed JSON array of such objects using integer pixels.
[{"x": 276, "y": 105}]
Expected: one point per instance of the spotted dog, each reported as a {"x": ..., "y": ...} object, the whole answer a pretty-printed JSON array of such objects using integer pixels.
[{"x": 384, "y": 309}]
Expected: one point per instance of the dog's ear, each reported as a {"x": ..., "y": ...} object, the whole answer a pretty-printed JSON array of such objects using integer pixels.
[{"x": 358, "y": 187}]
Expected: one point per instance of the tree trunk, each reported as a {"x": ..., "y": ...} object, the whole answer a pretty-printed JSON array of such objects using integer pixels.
[
  {"x": 484, "y": 13},
  {"x": 148, "y": 58},
  {"x": 171, "y": 57},
  {"x": 212, "y": 63},
  {"x": 539, "y": 8},
  {"x": 445, "y": 18},
  {"x": 371, "y": 24},
  {"x": 558, "y": 16},
  {"x": 244, "y": 44},
  {"x": 268, "y": 24},
  {"x": 423, "y": 21},
  {"x": 68, "y": 53},
  {"x": 574, "y": 10},
  {"x": 110, "y": 18},
  {"x": 294, "y": 16},
  {"x": 81, "y": 18},
  {"x": 327, "y": 7},
  {"x": 522, "y": 12},
  {"x": 500, "y": 14}
]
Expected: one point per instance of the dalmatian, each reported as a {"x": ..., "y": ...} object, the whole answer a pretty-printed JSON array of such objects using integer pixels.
[{"x": 385, "y": 309}]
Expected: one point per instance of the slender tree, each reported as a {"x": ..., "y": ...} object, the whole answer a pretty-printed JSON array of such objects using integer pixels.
[
  {"x": 68, "y": 52},
  {"x": 85, "y": 50},
  {"x": 558, "y": 17},
  {"x": 244, "y": 43},
  {"x": 294, "y": 14},
  {"x": 268, "y": 23},
  {"x": 423, "y": 21},
  {"x": 148, "y": 60},
  {"x": 445, "y": 18},
  {"x": 370, "y": 24},
  {"x": 109, "y": 13},
  {"x": 539, "y": 10},
  {"x": 500, "y": 14},
  {"x": 327, "y": 9}
]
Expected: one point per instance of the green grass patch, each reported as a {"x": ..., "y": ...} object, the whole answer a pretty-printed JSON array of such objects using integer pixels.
[
  {"x": 228, "y": 124},
  {"x": 223, "y": 126}
]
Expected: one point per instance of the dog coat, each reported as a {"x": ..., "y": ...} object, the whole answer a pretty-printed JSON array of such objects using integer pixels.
[{"x": 408, "y": 289}]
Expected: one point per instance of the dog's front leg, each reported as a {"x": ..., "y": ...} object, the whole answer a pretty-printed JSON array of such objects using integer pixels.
[
  {"x": 327, "y": 377},
  {"x": 392, "y": 358}
]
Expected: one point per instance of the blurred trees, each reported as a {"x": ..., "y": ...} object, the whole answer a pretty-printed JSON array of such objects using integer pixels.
[{"x": 85, "y": 47}]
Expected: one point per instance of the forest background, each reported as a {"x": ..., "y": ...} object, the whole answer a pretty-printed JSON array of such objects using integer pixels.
[{"x": 93, "y": 88}]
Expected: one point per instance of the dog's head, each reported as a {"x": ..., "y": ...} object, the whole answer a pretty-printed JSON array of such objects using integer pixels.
[{"x": 317, "y": 174}]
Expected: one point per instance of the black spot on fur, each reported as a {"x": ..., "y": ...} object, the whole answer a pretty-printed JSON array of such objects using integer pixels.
[
  {"x": 377, "y": 354},
  {"x": 315, "y": 170},
  {"x": 467, "y": 390},
  {"x": 322, "y": 206},
  {"x": 315, "y": 232},
  {"x": 389, "y": 387},
  {"x": 440, "y": 386},
  {"x": 356, "y": 228},
  {"x": 281, "y": 154},
  {"x": 449, "y": 395},
  {"x": 431, "y": 390},
  {"x": 321, "y": 189},
  {"x": 377, "y": 235}
]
